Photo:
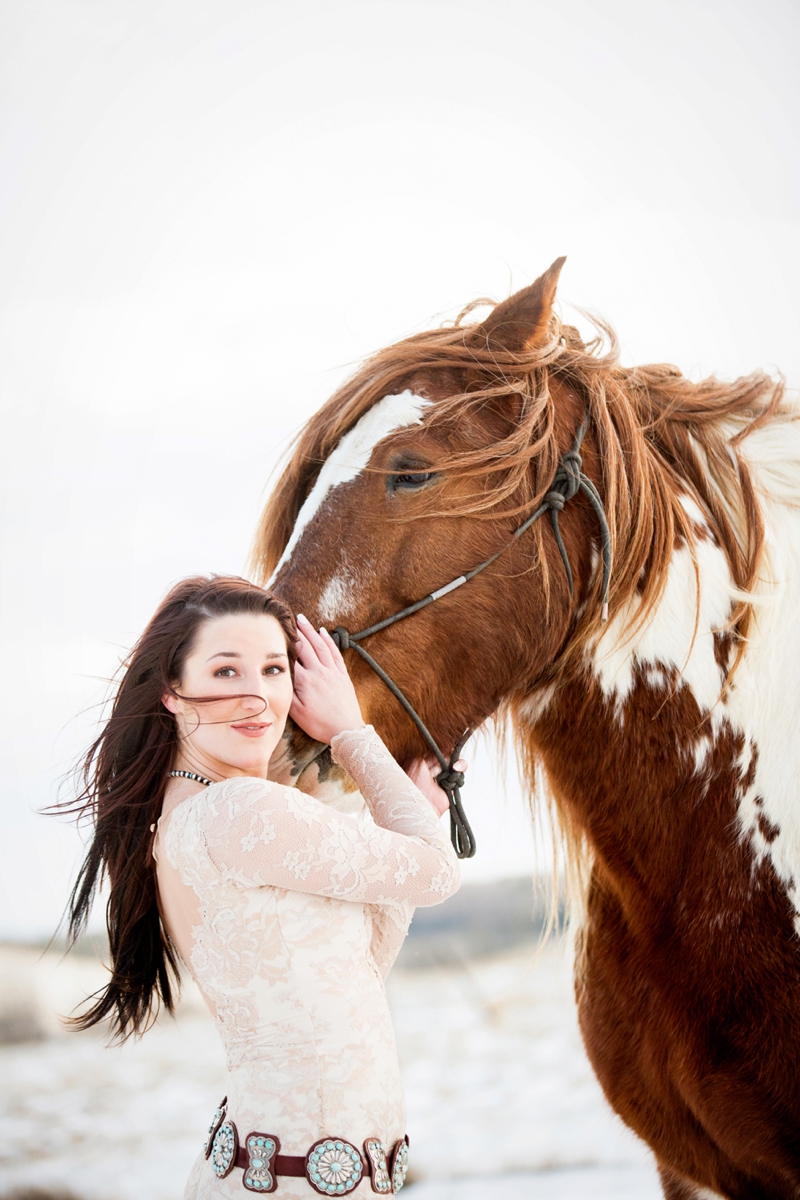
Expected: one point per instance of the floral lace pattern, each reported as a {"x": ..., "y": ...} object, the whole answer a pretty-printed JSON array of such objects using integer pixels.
[{"x": 297, "y": 914}]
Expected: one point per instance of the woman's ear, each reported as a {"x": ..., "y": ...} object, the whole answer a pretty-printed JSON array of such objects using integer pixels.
[{"x": 170, "y": 702}]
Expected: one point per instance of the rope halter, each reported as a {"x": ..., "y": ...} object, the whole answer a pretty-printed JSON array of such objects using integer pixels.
[{"x": 567, "y": 482}]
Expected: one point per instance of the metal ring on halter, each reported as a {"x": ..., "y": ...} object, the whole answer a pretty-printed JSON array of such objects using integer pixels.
[{"x": 567, "y": 482}]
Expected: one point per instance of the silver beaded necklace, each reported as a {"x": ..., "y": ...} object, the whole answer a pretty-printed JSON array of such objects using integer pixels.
[{"x": 192, "y": 775}]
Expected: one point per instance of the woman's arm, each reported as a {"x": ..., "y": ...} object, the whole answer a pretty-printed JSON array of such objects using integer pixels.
[{"x": 262, "y": 834}]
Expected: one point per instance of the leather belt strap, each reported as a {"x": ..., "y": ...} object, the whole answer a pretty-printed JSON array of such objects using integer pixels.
[
  {"x": 321, "y": 1166},
  {"x": 282, "y": 1164}
]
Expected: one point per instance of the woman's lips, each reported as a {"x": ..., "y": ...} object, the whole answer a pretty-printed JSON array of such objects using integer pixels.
[{"x": 251, "y": 729}]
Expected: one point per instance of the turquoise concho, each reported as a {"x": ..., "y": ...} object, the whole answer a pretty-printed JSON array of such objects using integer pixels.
[
  {"x": 378, "y": 1166},
  {"x": 224, "y": 1149},
  {"x": 334, "y": 1167},
  {"x": 261, "y": 1149},
  {"x": 399, "y": 1165},
  {"x": 216, "y": 1121}
]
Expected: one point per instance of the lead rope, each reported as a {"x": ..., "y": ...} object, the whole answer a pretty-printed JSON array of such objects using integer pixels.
[
  {"x": 449, "y": 779},
  {"x": 568, "y": 480}
]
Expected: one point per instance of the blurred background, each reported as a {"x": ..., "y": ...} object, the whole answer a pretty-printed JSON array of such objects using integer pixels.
[{"x": 211, "y": 210}]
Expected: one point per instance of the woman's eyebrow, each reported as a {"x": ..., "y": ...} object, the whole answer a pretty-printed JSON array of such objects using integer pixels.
[{"x": 235, "y": 654}]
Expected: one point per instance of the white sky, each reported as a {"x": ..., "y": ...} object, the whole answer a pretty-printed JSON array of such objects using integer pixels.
[{"x": 211, "y": 207}]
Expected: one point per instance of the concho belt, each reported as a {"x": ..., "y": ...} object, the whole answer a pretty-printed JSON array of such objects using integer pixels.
[{"x": 333, "y": 1166}]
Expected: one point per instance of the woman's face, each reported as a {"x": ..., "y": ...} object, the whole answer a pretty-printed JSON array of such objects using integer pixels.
[{"x": 240, "y": 653}]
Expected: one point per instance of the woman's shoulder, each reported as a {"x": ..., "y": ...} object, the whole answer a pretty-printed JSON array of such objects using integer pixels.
[
  {"x": 235, "y": 808},
  {"x": 248, "y": 813},
  {"x": 226, "y": 796},
  {"x": 215, "y": 811},
  {"x": 245, "y": 790},
  {"x": 246, "y": 798}
]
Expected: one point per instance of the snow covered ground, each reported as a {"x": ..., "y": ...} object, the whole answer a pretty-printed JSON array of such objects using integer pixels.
[
  {"x": 502, "y": 1102},
  {"x": 580, "y": 1183}
]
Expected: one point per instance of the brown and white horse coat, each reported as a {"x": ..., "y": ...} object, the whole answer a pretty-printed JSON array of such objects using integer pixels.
[{"x": 668, "y": 735}]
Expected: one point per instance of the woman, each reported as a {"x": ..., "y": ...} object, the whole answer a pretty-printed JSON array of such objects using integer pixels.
[{"x": 287, "y": 913}]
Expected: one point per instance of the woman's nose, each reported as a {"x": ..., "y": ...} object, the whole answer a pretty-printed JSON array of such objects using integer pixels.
[{"x": 256, "y": 703}]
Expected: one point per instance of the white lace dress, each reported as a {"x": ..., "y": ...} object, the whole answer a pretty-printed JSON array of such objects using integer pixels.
[{"x": 290, "y": 915}]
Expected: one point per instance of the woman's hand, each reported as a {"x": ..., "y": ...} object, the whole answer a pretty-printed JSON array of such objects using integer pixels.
[
  {"x": 325, "y": 701},
  {"x": 423, "y": 772}
]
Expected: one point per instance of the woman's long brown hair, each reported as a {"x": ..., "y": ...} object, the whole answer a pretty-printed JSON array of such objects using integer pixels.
[{"x": 123, "y": 778}]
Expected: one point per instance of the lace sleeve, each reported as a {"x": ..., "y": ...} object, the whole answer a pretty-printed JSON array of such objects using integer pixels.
[{"x": 260, "y": 833}]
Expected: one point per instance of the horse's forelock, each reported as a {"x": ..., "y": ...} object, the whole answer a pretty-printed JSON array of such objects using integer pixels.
[{"x": 458, "y": 353}]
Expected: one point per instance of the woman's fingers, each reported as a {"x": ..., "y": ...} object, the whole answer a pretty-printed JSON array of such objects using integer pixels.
[
  {"x": 303, "y": 648},
  {"x": 335, "y": 652},
  {"x": 325, "y": 701},
  {"x": 320, "y": 647},
  {"x": 421, "y": 773},
  {"x": 296, "y": 709},
  {"x": 433, "y": 766},
  {"x": 321, "y": 644}
]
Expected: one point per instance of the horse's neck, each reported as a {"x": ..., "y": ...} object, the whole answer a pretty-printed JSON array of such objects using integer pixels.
[{"x": 649, "y": 752}]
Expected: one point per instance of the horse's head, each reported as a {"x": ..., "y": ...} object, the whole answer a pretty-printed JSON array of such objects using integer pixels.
[
  {"x": 429, "y": 459},
  {"x": 419, "y": 469}
]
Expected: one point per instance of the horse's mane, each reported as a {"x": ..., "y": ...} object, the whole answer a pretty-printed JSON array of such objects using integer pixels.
[{"x": 660, "y": 437}]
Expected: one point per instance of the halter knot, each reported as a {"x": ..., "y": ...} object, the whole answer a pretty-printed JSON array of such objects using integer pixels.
[
  {"x": 567, "y": 482},
  {"x": 569, "y": 473},
  {"x": 341, "y": 637},
  {"x": 450, "y": 779}
]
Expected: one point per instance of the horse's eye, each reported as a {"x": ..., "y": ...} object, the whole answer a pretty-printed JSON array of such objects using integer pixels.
[{"x": 412, "y": 479}]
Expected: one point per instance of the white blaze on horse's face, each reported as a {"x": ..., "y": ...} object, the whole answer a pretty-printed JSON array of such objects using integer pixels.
[{"x": 353, "y": 453}]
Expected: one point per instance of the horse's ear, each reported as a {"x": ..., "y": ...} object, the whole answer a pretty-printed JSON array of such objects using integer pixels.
[{"x": 521, "y": 322}]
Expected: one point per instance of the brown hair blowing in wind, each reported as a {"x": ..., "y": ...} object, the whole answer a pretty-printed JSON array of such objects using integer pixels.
[{"x": 122, "y": 781}]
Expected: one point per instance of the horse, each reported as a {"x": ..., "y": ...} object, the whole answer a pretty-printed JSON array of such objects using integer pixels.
[{"x": 660, "y": 699}]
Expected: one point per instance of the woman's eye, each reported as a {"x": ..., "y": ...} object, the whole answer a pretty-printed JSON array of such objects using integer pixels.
[
  {"x": 274, "y": 670},
  {"x": 413, "y": 479},
  {"x": 225, "y": 673}
]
